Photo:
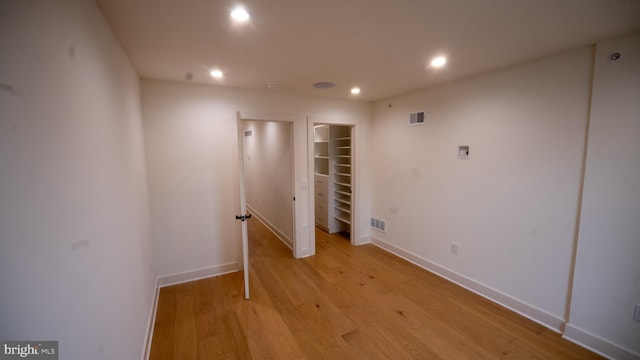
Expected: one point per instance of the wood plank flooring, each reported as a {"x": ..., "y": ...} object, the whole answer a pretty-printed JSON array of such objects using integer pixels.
[{"x": 344, "y": 303}]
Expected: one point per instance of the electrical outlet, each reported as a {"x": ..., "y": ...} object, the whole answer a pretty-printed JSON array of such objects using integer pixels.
[
  {"x": 463, "y": 152},
  {"x": 305, "y": 228},
  {"x": 636, "y": 313},
  {"x": 454, "y": 248}
]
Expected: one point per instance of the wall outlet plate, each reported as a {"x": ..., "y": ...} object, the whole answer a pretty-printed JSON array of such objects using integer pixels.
[{"x": 463, "y": 152}]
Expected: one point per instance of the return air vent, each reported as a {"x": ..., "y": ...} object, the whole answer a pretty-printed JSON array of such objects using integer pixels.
[
  {"x": 416, "y": 118},
  {"x": 378, "y": 224},
  {"x": 248, "y": 133}
]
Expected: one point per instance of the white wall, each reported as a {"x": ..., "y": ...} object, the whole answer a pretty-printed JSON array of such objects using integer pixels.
[
  {"x": 75, "y": 251},
  {"x": 607, "y": 272},
  {"x": 191, "y": 143},
  {"x": 512, "y": 207},
  {"x": 268, "y": 167}
]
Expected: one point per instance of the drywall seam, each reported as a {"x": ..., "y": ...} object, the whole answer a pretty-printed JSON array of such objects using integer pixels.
[
  {"x": 279, "y": 234},
  {"x": 529, "y": 311},
  {"x": 197, "y": 274},
  {"x": 597, "y": 344}
]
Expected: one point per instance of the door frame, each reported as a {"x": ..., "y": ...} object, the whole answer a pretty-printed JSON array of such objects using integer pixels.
[
  {"x": 355, "y": 158},
  {"x": 300, "y": 241}
]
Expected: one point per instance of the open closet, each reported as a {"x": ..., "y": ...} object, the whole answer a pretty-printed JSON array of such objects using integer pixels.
[{"x": 333, "y": 177}]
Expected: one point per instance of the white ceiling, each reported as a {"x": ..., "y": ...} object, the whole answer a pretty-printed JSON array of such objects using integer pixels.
[{"x": 382, "y": 46}]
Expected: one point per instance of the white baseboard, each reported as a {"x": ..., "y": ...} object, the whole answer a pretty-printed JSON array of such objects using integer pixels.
[
  {"x": 598, "y": 344},
  {"x": 363, "y": 240},
  {"x": 197, "y": 274},
  {"x": 279, "y": 234},
  {"x": 151, "y": 324},
  {"x": 529, "y": 311}
]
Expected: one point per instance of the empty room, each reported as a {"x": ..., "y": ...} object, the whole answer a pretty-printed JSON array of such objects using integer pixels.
[{"x": 354, "y": 179}]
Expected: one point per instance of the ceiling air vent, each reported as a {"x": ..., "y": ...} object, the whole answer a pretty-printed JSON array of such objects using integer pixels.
[{"x": 416, "y": 118}]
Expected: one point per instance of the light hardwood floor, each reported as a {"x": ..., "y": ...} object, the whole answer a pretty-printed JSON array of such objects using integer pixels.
[{"x": 344, "y": 303}]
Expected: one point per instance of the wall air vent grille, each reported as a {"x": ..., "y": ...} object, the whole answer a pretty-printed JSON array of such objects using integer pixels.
[
  {"x": 416, "y": 118},
  {"x": 378, "y": 224}
]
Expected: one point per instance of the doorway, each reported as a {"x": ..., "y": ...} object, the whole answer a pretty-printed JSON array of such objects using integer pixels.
[
  {"x": 268, "y": 172},
  {"x": 334, "y": 166}
]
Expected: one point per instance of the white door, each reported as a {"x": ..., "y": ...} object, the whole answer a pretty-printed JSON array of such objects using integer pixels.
[{"x": 243, "y": 217}]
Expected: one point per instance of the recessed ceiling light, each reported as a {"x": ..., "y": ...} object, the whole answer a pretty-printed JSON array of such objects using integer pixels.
[
  {"x": 438, "y": 61},
  {"x": 324, "y": 85},
  {"x": 239, "y": 14},
  {"x": 217, "y": 74},
  {"x": 355, "y": 91}
]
